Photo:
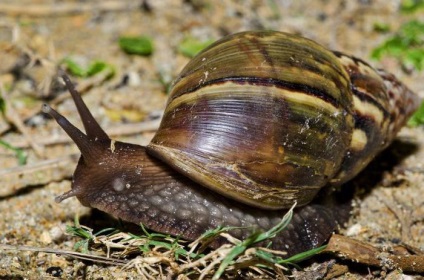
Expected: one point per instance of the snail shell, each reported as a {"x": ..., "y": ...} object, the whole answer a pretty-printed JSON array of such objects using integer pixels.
[
  {"x": 254, "y": 123},
  {"x": 269, "y": 118}
]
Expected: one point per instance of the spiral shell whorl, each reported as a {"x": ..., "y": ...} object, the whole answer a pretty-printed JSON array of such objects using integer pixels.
[
  {"x": 382, "y": 105},
  {"x": 402, "y": 102}
]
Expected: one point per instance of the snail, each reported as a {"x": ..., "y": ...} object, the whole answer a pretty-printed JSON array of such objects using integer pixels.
[{"x": 256, "y": 122}]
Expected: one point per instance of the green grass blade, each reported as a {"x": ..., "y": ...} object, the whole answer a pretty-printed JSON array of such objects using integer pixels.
[{"x": 253, "y": 239}]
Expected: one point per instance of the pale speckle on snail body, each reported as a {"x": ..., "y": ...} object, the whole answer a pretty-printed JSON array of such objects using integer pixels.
[{"x": 256, "y": 122}]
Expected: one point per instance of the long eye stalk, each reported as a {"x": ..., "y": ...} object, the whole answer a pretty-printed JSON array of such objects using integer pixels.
[
  {"x": 86, "y": 143},
  {"x": 80, "y": 139},
  {"x": 91, "y": 126}
]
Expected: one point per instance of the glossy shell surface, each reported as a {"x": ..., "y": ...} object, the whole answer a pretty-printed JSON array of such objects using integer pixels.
[{"x": 259, "y": 117}]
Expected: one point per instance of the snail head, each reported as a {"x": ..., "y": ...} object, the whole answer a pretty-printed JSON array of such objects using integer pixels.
[{"x": 105, "y": 164}]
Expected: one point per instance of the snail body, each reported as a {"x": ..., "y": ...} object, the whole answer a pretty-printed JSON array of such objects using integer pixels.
[{"x": 256, "y": 122}]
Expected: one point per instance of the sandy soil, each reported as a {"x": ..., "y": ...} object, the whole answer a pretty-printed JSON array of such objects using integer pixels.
[{"x": 390, "y": 208}]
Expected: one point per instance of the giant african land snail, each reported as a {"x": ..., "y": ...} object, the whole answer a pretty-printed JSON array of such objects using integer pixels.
[{"x": 254, "y": 123}]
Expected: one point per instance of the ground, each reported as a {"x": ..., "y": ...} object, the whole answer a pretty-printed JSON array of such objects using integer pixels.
[{"x": 37, "y": 35}]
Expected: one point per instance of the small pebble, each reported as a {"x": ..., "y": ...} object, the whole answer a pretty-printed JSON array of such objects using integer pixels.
[
  {"x": 57, "y": 234},
  {"x": 45, "y": 237},
  {"x": 54, "y": 271},
  {"x": 354, "y": 230}
]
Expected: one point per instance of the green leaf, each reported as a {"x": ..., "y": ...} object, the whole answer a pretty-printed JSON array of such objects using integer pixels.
[
  {"x": 19, "y": 153},
  {"x": 418, "y": 117},
  {"x": 86, "y": 234},
  {"x": 212, "y": 233},
  {"x": 106, "y": 231},
  {"x": 381, "y": 27},
  {"x": 407, "y": 45},
  {"x": 79, "y": 232},
  {"x": 190, "y": 46},
  {"x": 74, "y": 67},
  {"x": 97, "y": 67},
  {"x": 93, "y": 68},
  {"x": 83, "y": 233},
  {"x": 411, "y": 6},
  {"x": 303, "y": 256},
  {"x": 271, "y": 258},
  {"x": 83, "y": 244},
  {"x": 141, "y": 45},
  {"x": 251, "y": 240},
  {"x": 228, "y": 260}
]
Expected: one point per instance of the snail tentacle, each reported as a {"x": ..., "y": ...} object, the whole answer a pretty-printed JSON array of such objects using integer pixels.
[
  {"x": 85, "y": 145},
  {"x": 92, "y": 127}
]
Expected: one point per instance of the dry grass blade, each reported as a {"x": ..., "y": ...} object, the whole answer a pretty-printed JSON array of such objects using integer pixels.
[
  {"x": 81, "y": 256},
  {"x": 157, "y": 253}
]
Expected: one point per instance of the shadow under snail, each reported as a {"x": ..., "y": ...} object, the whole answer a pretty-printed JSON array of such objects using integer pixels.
[{"x": 257, "y": 121}]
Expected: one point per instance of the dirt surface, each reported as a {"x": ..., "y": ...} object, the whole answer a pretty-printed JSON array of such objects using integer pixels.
[{"x": 35, "y": 35}]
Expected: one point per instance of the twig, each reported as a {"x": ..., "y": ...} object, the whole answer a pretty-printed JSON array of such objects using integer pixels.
[
  {"x": 220, "y": 256},
  {"x": 81, "y": 256},
  {"x": 60, "y": 9},
  {"x": 4, "y": 126},
  {"x": 14, "y": 118},
  {"x": 364, "y": 253},
  {"x": 121, "y": 130},
  {"x": 41, "y": 172}
]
